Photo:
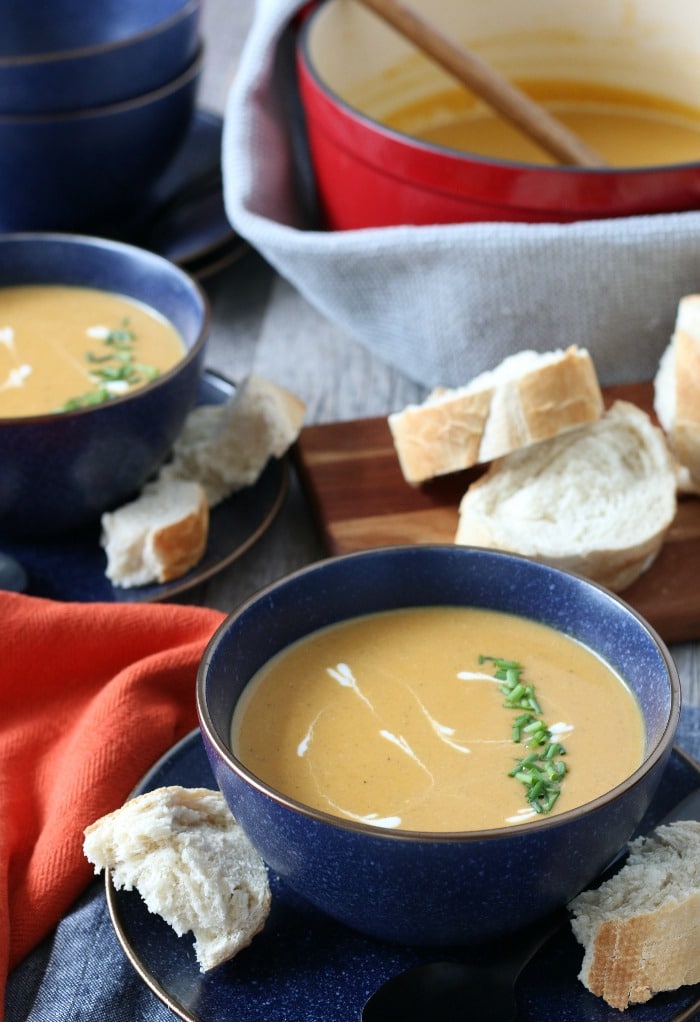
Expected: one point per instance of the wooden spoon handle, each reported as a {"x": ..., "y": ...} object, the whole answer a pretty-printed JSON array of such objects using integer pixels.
[{"x": 531, "y": 118}]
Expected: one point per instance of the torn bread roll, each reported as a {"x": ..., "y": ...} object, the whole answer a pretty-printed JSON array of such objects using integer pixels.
[
  {"x": 190, "y": 861},
  {"x": 641, "y": 928},
  {"x": 677, "y": 393},
  {"x": 530, "y": 396},
  {"x": 597, "y": 500},
  {"x": 226, "y": 447},
  {"x": 159, "y": 536}
]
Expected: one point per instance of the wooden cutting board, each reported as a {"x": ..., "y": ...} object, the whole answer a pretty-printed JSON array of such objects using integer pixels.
[{"x": 360, "y": 499}]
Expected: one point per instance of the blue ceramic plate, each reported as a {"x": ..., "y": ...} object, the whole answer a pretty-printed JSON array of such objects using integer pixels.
[
  {"x": 307, "y": 968},
  {"x": 73, "y": 567}
]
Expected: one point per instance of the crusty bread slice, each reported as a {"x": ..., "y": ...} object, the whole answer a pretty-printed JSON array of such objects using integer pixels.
[
  {"x": 191, "y": 863},
  {"x": 226, "y": 447},
  {"x": 530, "y": 396},
  {"x": 158, "y": 536},
  {"x": 677, "y": 391},
  {"x": 597, "y": 500},
  {"x": 641, "y": 928}
]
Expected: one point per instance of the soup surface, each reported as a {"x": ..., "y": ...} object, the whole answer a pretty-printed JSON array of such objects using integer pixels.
[
  {"x": 391, "y": 719},
  {"x": 68, "y": 347},
  {"x": 626, "y": 128}
]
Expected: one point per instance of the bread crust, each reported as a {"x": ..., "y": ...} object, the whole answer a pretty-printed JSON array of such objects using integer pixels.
[
  {"x": 633, "y": 959},
  {"x": 496, "y": 413},
  {"x": 181, "y": 545},
  {"x": 685, "y": 435},
  {"x": 443, "y": 438},
  {"x": 158, "y": 536},
  {"x": 641, "y": 929}
]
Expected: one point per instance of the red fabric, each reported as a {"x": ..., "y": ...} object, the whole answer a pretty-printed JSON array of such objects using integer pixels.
[{"x": 91, "y": 696}]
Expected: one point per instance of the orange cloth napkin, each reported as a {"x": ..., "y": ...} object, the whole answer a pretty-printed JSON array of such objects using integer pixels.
[{"x": 92, "y": 695}]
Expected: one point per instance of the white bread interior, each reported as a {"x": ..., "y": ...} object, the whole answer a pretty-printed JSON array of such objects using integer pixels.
[
  {"x": 677, "y": 392},
  {"x": 641, "y": 928},
  {"x": 226, "y": 447},
  {"x": 191, "y": 863},
  {"x": 530, "y": 396},
  {"x": 597, "y": 500},
  {"x": 158, "y": 536}
]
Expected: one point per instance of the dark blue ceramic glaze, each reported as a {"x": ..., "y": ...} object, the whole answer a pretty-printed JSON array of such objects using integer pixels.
[
  {"x": 59, "y": 472},
  {"x": 79, "y": 171},
  {"x": 305, "y": 967},
  {"x": 435, "y": 889},
  {"x": 83, "y": 55}
]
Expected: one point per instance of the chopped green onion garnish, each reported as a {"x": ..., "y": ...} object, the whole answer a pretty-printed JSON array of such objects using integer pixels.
[
  {"x": 116, "y": 365},
  {"x": 539, "y": 771}
]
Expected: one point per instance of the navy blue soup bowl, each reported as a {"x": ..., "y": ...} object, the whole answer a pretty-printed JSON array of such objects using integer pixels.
[
  {"x": 427, "y": 888},
  {"x": 59, "y": 472}
]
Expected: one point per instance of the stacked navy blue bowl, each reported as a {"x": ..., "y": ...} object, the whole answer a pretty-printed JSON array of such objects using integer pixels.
[{"x": 95, "y": 99}]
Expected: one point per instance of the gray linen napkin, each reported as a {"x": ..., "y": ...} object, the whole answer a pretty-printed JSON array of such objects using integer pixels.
[{"x": 445, "y": 302}]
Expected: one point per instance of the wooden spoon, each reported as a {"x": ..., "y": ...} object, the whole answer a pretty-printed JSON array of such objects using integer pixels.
[{"x": 496, "y": 90}]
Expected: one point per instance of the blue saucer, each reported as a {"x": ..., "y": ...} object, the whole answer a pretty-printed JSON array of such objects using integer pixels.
[
  {"x": 73, "y": 567},
  {"x": 184, "y": 218},
  {"x": 305, "y": 967}
]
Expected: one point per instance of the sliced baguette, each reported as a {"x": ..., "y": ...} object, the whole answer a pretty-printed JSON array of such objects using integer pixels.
[
  {"x": 597, "y": 500},
  {"x": 158, "y": 536},
  {"x": 677, "y": 392},
  {"x": 226, "y": 447},
  {"x": 641, "y": 928},
  {"x": 191, "y": 863},
  {"x": 529, "y": 397}
]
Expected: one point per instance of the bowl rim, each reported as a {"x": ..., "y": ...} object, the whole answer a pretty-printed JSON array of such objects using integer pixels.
[
  {"x": 659, "y": 751},
  {"x": 187, "y": 9},
  {"x": 181, "y": 81},
  {"x": 407, "y": 141},
  {"x": 92, "y": 243}
]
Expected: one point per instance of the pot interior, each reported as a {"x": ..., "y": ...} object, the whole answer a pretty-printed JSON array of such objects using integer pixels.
[{"x": 632, "y": 51}]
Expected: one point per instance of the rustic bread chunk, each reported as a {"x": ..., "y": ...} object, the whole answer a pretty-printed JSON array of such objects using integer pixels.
[
  {"x": 226, "y": 447},
  {"x": 158, "y": 536},
  {"x": 529, "y": 397},
  {"x": 597, "y": 500},
  {"x": 191, "y": 863},
  {"x": 677, "y": 391},
  {"x": 641, "y": 929}
]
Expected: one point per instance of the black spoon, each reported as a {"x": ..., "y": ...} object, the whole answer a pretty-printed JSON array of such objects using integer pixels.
[{"x": 481, "y": 988}]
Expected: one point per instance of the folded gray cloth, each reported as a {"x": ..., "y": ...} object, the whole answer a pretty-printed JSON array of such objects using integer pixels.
[{"x": 443, "y": 303}]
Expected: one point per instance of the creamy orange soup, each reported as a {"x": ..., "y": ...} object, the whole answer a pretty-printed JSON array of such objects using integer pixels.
[
  {"x": 627, "y": 129},
  {"x": 65, "y": 347},
  {"x": 391, "y": 719}
]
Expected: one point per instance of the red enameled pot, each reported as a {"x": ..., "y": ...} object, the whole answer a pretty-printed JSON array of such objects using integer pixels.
[{"x": 369, "y": 175}]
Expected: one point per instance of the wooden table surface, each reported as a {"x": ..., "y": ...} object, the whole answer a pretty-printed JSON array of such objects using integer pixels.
[{"x": 261, "y": 323}]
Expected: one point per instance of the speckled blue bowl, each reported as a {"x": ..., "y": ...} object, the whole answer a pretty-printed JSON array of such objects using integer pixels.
[
  {"x": 426, "y": 888},
  {"x": 75, "y": 54},
  {"x": 85, "y": 170},
  {"x": 58, "y": 472}
]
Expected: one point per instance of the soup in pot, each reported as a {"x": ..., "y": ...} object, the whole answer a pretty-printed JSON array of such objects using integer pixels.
[
  {"x": 628, "y": 129},
  {"x": 414, "y": 719},
  {"x": 65, "y": 347}
]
